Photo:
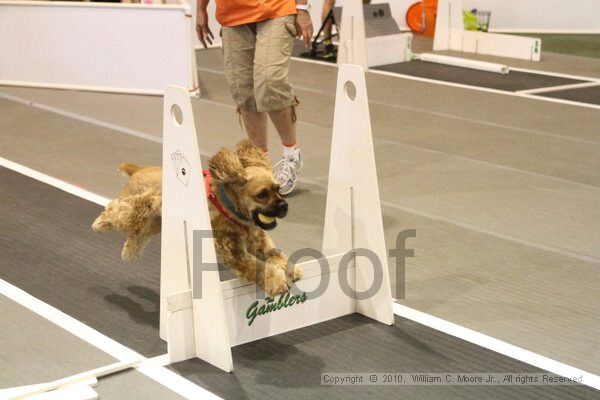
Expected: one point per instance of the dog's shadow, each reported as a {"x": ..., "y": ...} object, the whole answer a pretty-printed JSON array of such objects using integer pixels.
[
  {"x": 137, "y": 311},
  {"x": 306, "y": 369},
  {"x": 298, "y": 365}
]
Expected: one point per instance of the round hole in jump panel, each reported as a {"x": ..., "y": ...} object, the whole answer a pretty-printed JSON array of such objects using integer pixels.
[
  {"x": 350, "y": 90},
  {"x": 177, "y": 115}
]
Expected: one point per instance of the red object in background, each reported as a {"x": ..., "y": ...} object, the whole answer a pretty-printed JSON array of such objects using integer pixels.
[
  {"x": 414, "y": 17},
  {"x": 430, "y": 13}
]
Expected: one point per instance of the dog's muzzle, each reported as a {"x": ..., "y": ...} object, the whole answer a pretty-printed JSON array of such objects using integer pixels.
[{"x": 267, "y": 218}]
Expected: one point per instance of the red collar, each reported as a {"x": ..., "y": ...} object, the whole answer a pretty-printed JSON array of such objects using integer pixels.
[{"x": 213, "y": 199}]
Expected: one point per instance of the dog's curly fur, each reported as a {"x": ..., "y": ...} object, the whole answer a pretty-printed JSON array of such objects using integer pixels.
[{"x": 246, "y": 178}]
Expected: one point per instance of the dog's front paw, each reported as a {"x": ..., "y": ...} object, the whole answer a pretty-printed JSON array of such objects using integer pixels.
[
  {"x": 276, "y": 282},
  {"x": 294, "y": 274},
  {"x": 101, "y": 225},
  {"x": 297, "y": 273}
]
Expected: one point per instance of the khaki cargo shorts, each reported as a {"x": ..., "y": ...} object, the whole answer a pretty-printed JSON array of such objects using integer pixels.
[{"x": 256, "y": 62}]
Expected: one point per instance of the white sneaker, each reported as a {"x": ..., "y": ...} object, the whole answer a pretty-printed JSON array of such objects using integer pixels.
[{"x": 286, "y": 172}]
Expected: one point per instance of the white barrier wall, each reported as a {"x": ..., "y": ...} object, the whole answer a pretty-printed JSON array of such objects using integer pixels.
[
  {"x": 569, "y": 16},
  {"x": 96, "y": 46},
  {"x": 451, "y": 35}
]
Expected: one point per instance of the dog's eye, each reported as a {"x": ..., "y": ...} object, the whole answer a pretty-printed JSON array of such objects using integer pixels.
[{"x": 263, "y": 194}]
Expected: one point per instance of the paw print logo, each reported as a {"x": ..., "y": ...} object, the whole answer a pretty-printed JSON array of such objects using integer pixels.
[{"x": 182, "y": 167}]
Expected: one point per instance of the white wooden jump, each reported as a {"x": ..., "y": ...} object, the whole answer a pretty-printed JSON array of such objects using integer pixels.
[
  {"x": 233, "y": 312},
  {"x": 450, "y": 34},
  {"x": 129, "y": 48}
]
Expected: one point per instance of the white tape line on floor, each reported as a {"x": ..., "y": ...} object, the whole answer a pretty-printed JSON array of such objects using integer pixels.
[
  {"x": 57, "y": 183},
  {"x": 496, "y": 345},
  {"x": 559, "y": 88},
  {"x": 165, "y": 377}
]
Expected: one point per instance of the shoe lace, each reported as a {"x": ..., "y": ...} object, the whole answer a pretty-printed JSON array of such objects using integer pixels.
[{"x": 286, "y": 170}]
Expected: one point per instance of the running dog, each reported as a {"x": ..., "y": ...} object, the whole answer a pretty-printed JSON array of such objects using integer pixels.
[{"x": 244, "y": 204}]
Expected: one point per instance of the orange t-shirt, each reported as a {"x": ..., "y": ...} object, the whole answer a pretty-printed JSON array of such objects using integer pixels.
[{"x": 239, "y": 12}]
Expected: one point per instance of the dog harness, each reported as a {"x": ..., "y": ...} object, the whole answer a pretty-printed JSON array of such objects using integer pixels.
[{"x": 227, "y": 202}]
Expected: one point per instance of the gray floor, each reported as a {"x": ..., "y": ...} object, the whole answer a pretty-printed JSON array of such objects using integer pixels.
[
  {"x": 503, "y": 191},
  {"x": 131, "y": 385},
  {"x": 42, "y": 352},
  {"x": 88, "y": 282},
  {"x": 39, "y": 350}
]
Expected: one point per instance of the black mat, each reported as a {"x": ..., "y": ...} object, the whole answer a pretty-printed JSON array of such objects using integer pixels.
[
  {"x": 49, "y": 250},
  {"x": 289, "y": 366},
  {"x": 511, "y": 82},
  {"x": 590, "y": 95}
]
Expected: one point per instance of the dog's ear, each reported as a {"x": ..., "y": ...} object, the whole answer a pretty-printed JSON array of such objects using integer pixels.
[
  {"x": 226, "y": 167},
  {"x": 251, "y": 156}
]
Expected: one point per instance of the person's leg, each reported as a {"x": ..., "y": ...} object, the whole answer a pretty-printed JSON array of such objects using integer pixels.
[
  {"x": 272, "y": 89},
  {"x": 327, "y": 6},
  {"x": 287, "y": 169},
  {"x": 274, "y": 94},
  {"x": 238, "y": 58},
  {"x": 284, "y": 122},
  {"x": 256, "y": 127}
]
